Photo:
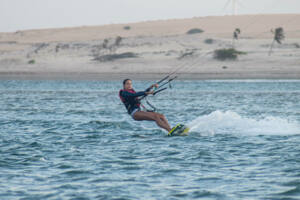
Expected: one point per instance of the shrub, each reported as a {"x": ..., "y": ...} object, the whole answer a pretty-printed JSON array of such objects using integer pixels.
[
  {"x": 105, "y": 43},
  {"x": 126, "y": 27},
  {"x": 31, "y": 62},
  {"x": 188, "y": 52},
  {"x": 296, "y": 45},
  {"x": 227, "y": 54},
  {"x": 112, "y": 57},
  {"x": 209, "y": 41},
  {"x": 195, "y": 31},
  {"x": 118, "y": 40},
  {"x": 278, "y": 37}
]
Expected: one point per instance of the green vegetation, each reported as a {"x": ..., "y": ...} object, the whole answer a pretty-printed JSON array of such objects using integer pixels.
[
  {"x": 112, "y": 57},
  {"x": 227, "y": 54},
  {"x": 195, "y": 31},
  {"x": 186, "y": 53},
  {"x": 112, "y": 47},
  {"x": 236, "y": 33},
  {"x": 105, "y": 43},
  {"x": 127, "y": 28},
  {"x": 296, "y": 45},
  {"x": 278, "y": 37},
  {"x": 118, "y": 41},
  {"x": 209, "y": 41},
  {"x": 31, "y": 62}
]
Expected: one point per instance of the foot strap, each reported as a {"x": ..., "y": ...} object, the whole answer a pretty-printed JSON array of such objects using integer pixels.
[{"x": 174, "y": 129}]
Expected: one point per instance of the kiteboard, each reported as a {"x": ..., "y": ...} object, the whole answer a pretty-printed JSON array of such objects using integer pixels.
[{"x": 179, "y": 130}]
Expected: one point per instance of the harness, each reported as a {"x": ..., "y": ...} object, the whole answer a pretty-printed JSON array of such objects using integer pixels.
[
  {"x": 128, "y": 104},
  {"x": 137, "y": 100}
]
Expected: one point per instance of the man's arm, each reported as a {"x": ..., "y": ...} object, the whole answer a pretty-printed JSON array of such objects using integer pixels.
[{"x": 128, "y": 94}]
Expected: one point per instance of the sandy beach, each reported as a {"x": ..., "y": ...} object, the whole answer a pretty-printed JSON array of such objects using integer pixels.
[{"x": 149, "y": 50}]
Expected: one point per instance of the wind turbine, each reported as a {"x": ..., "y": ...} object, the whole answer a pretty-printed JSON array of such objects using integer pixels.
[{"x": 233, "y": 4}]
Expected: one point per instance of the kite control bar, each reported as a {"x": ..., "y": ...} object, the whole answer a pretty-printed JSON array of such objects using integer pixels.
[
  {"x": 164, "y": 82},
  {"x": 158, "y": 82}
]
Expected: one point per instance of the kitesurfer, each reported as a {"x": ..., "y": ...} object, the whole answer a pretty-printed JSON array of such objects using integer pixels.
[{"x": 133, "y": 105}]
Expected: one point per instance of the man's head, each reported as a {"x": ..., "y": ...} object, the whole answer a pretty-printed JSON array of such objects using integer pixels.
[{"x": 127, "y": 84}]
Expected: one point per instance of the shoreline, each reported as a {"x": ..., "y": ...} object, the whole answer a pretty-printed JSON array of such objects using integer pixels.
[{"x": 145, "y": 76}]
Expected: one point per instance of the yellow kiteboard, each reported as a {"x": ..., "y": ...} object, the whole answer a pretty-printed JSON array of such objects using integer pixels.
[{"x": 179, "y": 130}]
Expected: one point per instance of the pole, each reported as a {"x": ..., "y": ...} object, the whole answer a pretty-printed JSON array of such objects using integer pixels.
[{"x": 234, "y": 2}]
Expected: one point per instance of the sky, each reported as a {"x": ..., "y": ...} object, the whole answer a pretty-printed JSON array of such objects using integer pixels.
[{"x": 38, "y": 14}]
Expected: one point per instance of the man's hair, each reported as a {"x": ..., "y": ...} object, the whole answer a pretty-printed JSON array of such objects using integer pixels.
[{"x": 125, "y": 80}]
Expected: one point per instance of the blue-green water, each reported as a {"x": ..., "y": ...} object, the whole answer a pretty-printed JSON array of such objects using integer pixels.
[{"x": 74, "y": 140}]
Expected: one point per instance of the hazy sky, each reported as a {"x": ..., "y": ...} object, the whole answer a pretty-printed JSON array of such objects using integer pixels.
[{"x": 33, "y": 14}]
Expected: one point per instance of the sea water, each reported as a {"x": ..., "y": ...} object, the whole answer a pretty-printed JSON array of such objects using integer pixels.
[{"x": 74, "y": 140}]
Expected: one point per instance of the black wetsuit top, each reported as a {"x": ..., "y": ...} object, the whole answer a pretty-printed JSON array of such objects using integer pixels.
[{"x": 130, "y": 100}]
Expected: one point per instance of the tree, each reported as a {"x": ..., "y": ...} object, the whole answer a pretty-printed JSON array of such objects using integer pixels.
[
  {"x": 278, "y": 37},
  {"x": 114, "y": 46},
  {"x": 236, "y": 34},
  {"x": 105, "y": 43},
  {"x": 118, "y": 41}
]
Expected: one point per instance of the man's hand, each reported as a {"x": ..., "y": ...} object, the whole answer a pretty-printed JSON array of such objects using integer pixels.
[
  {"x": 155, "y": 85},
  {"x": 150, "y": 92}
]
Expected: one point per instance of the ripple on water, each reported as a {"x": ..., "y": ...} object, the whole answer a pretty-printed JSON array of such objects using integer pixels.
[{"x": 67, "y": 140}]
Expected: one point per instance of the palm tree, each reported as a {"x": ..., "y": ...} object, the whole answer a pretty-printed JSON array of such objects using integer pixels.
[
  {"x": 236, "y": 33},
  {"x": 278, "y": 37}
]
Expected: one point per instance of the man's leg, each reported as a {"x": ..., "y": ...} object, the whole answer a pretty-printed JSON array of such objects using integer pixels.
[
  {"x": 152, "y": 116},
  {"x": 163, "y": 118}
]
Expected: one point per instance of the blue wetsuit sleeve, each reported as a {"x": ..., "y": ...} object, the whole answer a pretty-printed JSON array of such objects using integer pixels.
[
  {"x": 147, "y": 90},
  {"x": 128, "y": 94}
]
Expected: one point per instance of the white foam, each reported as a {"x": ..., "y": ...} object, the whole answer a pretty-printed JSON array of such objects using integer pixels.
[{"x": 229, "y": 122}]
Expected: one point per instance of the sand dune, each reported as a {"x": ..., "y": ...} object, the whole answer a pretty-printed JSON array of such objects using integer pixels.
[{"x": 151, "y": 49}]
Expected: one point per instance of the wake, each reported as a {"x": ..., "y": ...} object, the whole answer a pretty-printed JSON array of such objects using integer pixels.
[{"x": 229, "y": 122}]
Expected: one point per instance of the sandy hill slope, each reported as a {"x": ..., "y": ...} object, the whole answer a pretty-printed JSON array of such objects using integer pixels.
[{"x": 150, "y": 49}]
